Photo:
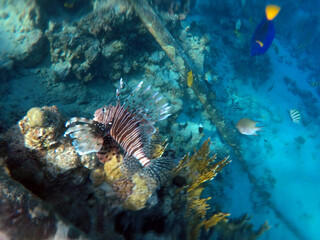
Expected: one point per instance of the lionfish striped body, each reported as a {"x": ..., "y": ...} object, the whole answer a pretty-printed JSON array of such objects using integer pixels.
[
  {"x": 130, "y": 125},
  {"x": 127, "y": 130}
]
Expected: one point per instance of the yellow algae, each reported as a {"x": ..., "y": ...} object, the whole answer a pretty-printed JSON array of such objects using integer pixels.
[
  {"x": 198, "y": 169},
  {"x": 199, "y": 206},
  {"x": 140, "y": 195},
  {"x": 112, "y": 169},
  {"x": 41, "y": 127},
  {"x": 211, "y": 222},
  {"x": 98, "y": 176},
  {"x": 158, "y": 149},
  {"x": 214, "y": 220}
]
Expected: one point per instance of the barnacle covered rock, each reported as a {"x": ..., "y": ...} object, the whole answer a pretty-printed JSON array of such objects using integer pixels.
[
  {"x": 141, "y": 192},
  {"x": 133, "y": 187},
  {"x": 62, "y": 158},
  {"x": 41, "y": 127},
  {"x": 23, "y": 216},
  {"x": 42, "y": 131}
]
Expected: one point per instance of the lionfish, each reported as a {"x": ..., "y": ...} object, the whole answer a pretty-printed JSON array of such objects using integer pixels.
[{"x": 128, "y": 126}]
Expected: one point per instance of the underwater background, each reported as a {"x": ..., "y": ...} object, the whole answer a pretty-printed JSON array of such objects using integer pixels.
[{"x": 63, "y": 59}]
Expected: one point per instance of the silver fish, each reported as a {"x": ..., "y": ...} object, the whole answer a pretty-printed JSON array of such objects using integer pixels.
[{"x": 247, "y": 126}]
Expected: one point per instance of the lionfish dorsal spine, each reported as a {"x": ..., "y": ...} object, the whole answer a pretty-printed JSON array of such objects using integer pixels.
[
  {"x": 118, "y": 90},
  {"x": 133, "y": 92}
]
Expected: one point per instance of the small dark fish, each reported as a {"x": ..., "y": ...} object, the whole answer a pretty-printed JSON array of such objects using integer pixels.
[
  {"x": 200, "y": 128},
  {"x": 270, "y": 88},
  {"x": 265, "y": 32}
]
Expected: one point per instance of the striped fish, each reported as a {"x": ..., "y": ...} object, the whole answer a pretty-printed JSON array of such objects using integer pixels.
[
  {"x": 295, "y": 115},
  {"x": 130, "y": 125},
  {"x": 315, "y": 84}
]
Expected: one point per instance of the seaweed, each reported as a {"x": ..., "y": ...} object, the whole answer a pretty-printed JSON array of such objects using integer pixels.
[{"x": 198, "y": 169}]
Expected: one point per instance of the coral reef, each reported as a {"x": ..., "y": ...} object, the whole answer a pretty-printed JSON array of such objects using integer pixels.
[
  {"x": 98, "y": 198},
  {"x": 41, "y": 127},
  {"x": 77, "y": 51},
  {"x": 42, "y": 140},
  {"x": 88, "y": 40},
  {"x": 22, "y": 44},
  {"x": 41, "y": 130}
]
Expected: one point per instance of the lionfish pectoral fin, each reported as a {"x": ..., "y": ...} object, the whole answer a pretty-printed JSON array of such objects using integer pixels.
[
  {"x": 159, "y": 169},
  {"x": 87, "y": 138},
  {"x": 131, "y": 165},
  {"x": 87, "y": 146}
]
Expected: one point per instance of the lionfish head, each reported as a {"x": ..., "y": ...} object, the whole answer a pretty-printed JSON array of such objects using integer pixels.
[{"x": 104, "y": 115}]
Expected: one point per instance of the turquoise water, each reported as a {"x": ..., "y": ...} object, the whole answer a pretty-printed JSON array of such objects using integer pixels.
[{"x": 283, "y": 159}]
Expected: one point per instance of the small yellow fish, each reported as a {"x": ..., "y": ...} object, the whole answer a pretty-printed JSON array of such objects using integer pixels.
[
  {"x": 190, "y": 79},
  {"x": 247, "y": 126},
  {"x": 68, "y": 5},
  {"x": 295, "y": 115}
]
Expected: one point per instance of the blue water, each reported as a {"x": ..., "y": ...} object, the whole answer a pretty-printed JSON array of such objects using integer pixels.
[{"x": 283, "y": 158}]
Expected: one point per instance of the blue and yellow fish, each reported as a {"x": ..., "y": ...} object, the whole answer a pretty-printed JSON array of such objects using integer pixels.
[{"x": 264, "y": 33}]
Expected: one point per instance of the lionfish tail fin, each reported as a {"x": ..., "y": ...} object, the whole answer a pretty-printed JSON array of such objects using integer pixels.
[
  {"x": 159, "y": 170},
  {"x": 86, "y": 134}
]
